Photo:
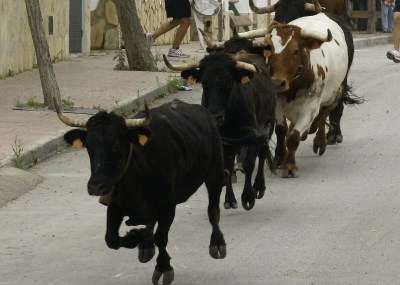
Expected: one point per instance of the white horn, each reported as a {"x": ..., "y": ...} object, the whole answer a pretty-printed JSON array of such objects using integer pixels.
[
  {"x": 253, "y": 34},
  {"x": 180, "y": 67},
  {"x": 246, "y": 66},
  {"x": 323, "y": 37}
]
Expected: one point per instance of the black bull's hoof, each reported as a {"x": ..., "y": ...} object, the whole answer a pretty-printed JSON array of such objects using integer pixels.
[
  {"x": 248, "y": 199},
  {"x": 146, "y": 254},
  {"x": 230, "y": 205},
  {"x": 168, "y": 277},
  {"x": 217, "y": 251}
]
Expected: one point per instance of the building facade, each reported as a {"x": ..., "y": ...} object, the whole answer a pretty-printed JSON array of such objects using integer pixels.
[{"x": 66, "y": 24}]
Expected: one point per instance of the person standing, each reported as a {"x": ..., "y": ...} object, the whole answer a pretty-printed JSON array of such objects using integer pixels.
[
  {"x": 387, "y": 15},
  {"x": 180, "y": 12},
  {"x": 394, "y": 53}
]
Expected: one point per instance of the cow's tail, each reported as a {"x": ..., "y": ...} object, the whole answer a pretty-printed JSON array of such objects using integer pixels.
[{"x": 349, "y": 98}]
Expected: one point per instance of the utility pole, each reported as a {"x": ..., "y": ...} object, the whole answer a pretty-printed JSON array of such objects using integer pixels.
[{"x": 371, "y": 28}]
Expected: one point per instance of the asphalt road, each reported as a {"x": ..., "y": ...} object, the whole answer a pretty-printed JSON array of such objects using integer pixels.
[{"x": 339, "y": 223}]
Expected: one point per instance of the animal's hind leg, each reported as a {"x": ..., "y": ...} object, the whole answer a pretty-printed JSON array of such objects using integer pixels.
[
  {"x": 229, "y": 159},
  {"x": 259, "y": 180},
  {"x": 217, "y": 243},
  {"x": 335, "y": 133},
  {"x": 163, "y": 266},
  {"x": 248, "y": 194},
  {"x": 320, "y": 141},
  {"x": 146, "y": 249}
]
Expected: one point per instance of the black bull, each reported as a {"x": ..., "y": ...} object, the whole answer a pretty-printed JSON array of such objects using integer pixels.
[
  {"x": 242, "y": 102},
  {"x": 150, "y": 169}
]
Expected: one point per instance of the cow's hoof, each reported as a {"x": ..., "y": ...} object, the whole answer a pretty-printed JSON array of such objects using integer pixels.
[
  {"x": 294, "y": 173},
  {"x": 259, "y": 193},
  {"x": 285, "y": 173},
  {"x": 334, "y": 139},
  {"x": 167, "y": 278},
  {"x": 217, "y": 251},
  {"x": 319, "y": 149},
  {"x": 230, "y": 205},
  {"x": 146, "y": 254},
  {"x": 277, "y": 163},
  {"x": 248, "y": 205}
]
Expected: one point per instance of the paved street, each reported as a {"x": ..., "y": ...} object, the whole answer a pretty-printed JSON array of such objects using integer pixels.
[{"x": 336, "y": 224}]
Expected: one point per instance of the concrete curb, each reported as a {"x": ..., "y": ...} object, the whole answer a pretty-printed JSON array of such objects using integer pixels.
[
  {"x": 373, "y": 41},
  {"x": 50, "y": 145}
]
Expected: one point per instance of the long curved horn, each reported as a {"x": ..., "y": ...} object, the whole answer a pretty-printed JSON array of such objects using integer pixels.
[
  {"x": 180, "y": 67},
  {"x": 246, "y": 66},
  {"x": 263, "y": 10},
  {"x": 306, "y": 33},
  {"x": 140, "y": 122},
  {"x": 253, "y": 34},
  {"x": 209, "y": 42},
  {"x": 69, "y": 122}
]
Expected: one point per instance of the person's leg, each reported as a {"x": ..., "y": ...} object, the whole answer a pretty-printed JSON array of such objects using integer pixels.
[
  {"x": 394, "y": 54},
  {"x": 181, "y": 32},
  {"x": 384, "y": 13},
  {"x": 166, "y": 27},
  {"x": 396, "y": 30},
  {"x": 390, "y": 19}
]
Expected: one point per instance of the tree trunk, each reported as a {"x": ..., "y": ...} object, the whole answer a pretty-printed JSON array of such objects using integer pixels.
[
  {"x": 137, "y": 52},
  {"x": 371, "y": 16},
  {"x": 51, "y": 92}
]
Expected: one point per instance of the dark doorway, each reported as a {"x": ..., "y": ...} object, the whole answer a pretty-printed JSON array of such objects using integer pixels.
[{"x": 75, "y": 26}]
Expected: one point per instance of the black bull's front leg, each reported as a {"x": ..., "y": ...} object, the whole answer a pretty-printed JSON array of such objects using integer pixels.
[{"x": 136, "y": 237}]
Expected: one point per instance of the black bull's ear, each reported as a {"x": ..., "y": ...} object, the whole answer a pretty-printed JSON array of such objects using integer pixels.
[
  {"x": 76, "y": 137},
  {"x": 140, "y": 135},
  {"x": 191, "y": 75}
]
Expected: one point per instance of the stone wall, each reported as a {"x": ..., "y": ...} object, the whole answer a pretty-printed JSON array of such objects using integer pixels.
[{"x": 16, "y": 47}]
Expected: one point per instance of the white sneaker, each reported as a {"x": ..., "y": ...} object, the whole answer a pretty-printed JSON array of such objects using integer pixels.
[
  {"x": 149, "y": 39},
  {"x": 393, "y": 55},
  {"x": 176, "y": 52}
]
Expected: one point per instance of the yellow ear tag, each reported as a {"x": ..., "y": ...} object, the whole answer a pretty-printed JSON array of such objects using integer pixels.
[
  {"x": 77, "y": 143},
  {"x": 267, "y": 53},
  {"x": 191, "y": 80},
  {"x": 143, "y": 139},
  {"x": 245, "y": 79}
]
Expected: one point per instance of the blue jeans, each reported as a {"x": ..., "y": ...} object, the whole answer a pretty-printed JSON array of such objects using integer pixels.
[{"x": 387, "y": 17}]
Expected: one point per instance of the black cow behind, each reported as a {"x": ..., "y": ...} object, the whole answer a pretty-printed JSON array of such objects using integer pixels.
[
  {"x": 149, "y": 170},
  {"x": 242, "y": 103}
]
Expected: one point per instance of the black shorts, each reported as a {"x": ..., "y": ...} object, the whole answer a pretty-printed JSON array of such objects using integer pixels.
[
  {"x": 396, "y": 6},
  {"x": 178, "y": 9}
]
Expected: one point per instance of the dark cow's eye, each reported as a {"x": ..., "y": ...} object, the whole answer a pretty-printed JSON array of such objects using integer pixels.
[{"x": 296, "y": 52}]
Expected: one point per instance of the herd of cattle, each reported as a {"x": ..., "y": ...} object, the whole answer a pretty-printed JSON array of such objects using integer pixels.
[{"x": 289, "y": 82}]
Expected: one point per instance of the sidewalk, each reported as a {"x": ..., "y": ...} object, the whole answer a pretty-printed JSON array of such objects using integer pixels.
[{"x": 89, "y": 82}]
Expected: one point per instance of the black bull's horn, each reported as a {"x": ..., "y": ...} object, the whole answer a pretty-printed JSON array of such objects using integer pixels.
[
  {"x": 82, "y": 123},
  {"x": 182, "y": 67},
  {"x": 310, "y": 7},
  {"x": 210, "y": 43}
]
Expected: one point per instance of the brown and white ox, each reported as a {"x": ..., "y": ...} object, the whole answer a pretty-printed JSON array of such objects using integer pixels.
[{"x": 309, "y": 63}]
